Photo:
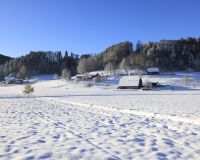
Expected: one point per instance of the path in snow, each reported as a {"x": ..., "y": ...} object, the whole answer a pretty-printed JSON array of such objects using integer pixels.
[
  {"x": 129, "y": 110},
  {"x": 41, "y": 128}
]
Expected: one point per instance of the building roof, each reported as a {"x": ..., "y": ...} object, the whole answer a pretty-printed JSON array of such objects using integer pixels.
[
  {"x": 153, "y": 70},
  {"x": 129, "y": 81},
  {"x": 10, "y": 78}
]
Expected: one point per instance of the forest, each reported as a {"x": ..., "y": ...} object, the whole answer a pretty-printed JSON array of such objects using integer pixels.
[{"x": 168, "y": 55}]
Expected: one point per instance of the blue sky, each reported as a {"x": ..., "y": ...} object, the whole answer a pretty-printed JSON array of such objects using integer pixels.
[{"x": 89, "y": 26}]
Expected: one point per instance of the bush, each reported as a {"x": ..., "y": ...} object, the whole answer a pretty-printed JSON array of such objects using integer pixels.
[{"x": 28, "y": 90}]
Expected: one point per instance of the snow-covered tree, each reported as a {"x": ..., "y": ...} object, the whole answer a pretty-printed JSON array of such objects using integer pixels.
[
  {"x": 124, "y": 65},
  {"x": 109, "y": 68},
  {"x": 66, "y": 74},
  {"x": 82, "y": 66}
]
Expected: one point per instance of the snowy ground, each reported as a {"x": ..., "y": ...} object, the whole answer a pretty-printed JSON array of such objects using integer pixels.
[{"x": 71, "y": 121}]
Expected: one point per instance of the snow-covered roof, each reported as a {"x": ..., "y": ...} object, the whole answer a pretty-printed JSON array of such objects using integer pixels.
[
  {"x": 10, "y": 78},
  {"x": 129, "y": 81},
  {"x": 153, "y": 70},
  {"x": 79, "y": 75},
  {"x": 97, "y": 72}
]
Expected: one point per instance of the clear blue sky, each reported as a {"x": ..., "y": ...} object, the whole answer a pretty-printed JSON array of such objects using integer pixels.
[{"x": 89, "y": 26}]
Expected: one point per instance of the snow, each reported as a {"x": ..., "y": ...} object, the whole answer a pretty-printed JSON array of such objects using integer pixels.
[{"x": 68, "y": 120}]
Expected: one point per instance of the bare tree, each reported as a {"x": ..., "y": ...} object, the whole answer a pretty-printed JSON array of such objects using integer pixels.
[
  {"x": 124, "y": 65},
  {"x": 109, "y": 68},
  {"x": 23, "y": 73},
  {"x": 66, "y": 74},
  {"x": 82, "y": 66}
]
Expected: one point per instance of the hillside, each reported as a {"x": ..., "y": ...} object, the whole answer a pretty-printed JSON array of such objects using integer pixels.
[
  {"x": 168, "y": 55},
  {"x": 111, "y": 56}
]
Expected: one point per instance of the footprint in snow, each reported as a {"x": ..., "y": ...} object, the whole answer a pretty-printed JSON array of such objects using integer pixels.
[{"x": 46, "y": 155}]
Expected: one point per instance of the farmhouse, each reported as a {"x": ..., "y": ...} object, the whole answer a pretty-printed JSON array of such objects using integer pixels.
[
  {"x": 153, "y": 71},
  {"x": 10, "y": 79},
  {"x": 85, "y": 77},
  {"x": 135, "y": 82}
]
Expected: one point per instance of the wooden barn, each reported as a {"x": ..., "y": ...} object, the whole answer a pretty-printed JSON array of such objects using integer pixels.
[
  {"x": 130, "y": 82},
  {"x": 135, "y": 82}
]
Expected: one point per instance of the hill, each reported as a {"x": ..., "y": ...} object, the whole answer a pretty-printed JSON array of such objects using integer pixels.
[
  {"x": 168, "y": 54},
  {"x": 182, "y": 54}
]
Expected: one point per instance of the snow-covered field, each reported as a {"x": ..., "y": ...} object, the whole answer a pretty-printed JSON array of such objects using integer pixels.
[{"x": 68, "y": 120}]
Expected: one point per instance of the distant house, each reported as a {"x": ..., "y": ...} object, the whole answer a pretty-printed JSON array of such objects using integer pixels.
[
  {"x": 10, "y": 79},
  {"x": 85, "y": 77},
  {"x": 135, "y": 82},
  {"x": 130, "y": 82},
  {"x": 79, "y": 77},
  {"x": 153, "y": 71}
]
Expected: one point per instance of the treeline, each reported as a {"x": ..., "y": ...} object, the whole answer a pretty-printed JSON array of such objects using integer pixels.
[
  {"x": 168, "y": 55},
  {"x": 110, "y": 58},
  {"x": 180, "y": 54},
  {"x": 40, "y": 62}
]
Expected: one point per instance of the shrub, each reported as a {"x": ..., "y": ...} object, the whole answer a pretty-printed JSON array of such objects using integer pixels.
[{"x": 28, "y": 90}]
